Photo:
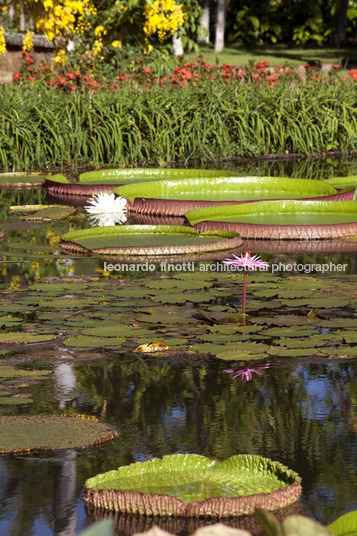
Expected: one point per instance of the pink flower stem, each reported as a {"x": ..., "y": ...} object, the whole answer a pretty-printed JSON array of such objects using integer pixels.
[{"x": 244, "y": 294}]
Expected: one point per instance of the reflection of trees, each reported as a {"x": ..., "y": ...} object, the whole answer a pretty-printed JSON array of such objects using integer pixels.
[
  {"x": 162, "y": 408},
  {"x": 24, "y": 494}
]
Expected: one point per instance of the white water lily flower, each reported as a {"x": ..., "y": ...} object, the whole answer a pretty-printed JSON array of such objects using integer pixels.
[{"x": 106, "y": 209}]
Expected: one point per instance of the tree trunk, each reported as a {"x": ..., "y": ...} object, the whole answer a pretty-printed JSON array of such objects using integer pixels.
[
  {"x": 220, "y": 24},
  {"x": 203, "y": 32},
  {"x": 342, "y": 21},
  {"x": 177, "y": 46}
]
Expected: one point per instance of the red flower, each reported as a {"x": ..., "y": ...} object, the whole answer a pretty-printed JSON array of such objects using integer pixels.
[
  {"x": 62, "y": 80},
  {"x": 31, "y": 78},
  {"x": 16, "y": 76},
  {"x": 336, "y": 66},
  {"x": 147, "y": 70}
]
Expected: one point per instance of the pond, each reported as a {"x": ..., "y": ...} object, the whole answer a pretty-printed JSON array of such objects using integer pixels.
[{"x": 282, "y": 386}]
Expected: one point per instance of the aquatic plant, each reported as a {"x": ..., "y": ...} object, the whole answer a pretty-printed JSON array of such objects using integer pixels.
[
  {"x": 177, "y": 196},
  {"x": 106, "y": 209},
  {"x": 23, "y": 434},
  {"x": 191, "y": 485},
  {"x": 278, "y": 220},
  {"x": 134, "y": 239},
  {"x": 247, "y": 263}
]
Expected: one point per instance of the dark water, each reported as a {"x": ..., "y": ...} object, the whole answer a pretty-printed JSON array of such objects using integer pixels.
[{"x": 301, "y": 414}]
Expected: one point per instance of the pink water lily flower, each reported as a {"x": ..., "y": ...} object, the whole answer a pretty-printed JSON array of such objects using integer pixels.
[
  {"x": 246, "y": 373},
  {"x": 246, "y": 261}
]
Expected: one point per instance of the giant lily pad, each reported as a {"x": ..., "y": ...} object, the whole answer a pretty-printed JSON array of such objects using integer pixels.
[
  {"x": 19, "y": 180},
  {"x": 175, "y": 197},
  {"x": 193, "y": 485},
  {"x": 134, "y": 240},
  {"x": 280, "y": 219},
  {"x": 105, "y": 180},
  {"x": 26, "y": 433}
]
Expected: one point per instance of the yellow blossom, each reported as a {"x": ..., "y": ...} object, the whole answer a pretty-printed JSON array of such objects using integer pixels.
[
  {"x": 116, "y": 44},
  {"x": 100, "y": 30},
  {"x": 2, "y": 41},
  {"x": 97, "y": 46},
  {"x": 163, "y": 17},
  {"x": 60, "y": 57},
  {"x": 64, "y": 18},
  {"x": 28, "y": 43}
]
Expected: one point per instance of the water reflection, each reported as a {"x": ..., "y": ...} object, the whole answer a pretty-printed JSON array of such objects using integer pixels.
[{"x": 304, "y": 417}]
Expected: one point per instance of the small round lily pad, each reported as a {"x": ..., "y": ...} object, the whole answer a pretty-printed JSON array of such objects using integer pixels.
[{"x": 22, "y": 434}]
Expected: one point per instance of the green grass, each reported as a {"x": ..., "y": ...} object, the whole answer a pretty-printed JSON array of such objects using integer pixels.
[{"x": 278, "y": 55}]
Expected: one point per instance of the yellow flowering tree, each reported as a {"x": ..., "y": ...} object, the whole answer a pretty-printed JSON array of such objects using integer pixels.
[
  {"x": 163, "y": 18},
  {"x": 101, "y": 29}
]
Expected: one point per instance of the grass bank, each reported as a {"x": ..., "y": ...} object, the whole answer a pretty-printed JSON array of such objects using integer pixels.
[
  {"x": 214, "y": 119},
  {"x": 346, "y": 57}
]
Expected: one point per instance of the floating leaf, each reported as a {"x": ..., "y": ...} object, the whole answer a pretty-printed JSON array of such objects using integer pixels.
[
  {"x": 134, "y": 239},
  {"x": 25, "y": 433},
  {"x": 85, "y": 341},
  {"x": 181, "y": 484},
  {"x": 226, "y": 189},
  {"x": 24, "y": 338}
]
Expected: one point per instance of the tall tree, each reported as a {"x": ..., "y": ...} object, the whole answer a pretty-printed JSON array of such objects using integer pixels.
[
  {"x": 342, "y": 20},
  {"x": 203, "y": 32},
  {"x": 220, "y": 25}
]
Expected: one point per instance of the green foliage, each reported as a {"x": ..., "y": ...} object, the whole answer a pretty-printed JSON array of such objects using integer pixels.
[
  {"x": 345, "y": 525},
  {"x": 282, "y": 21},
  {"x": 213, "y": 119}
]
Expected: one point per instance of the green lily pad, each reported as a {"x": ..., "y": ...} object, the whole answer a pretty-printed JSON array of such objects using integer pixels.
[
  {"x": 286, "y": 320},
  {"x": 25, "y": 433},
  {"x": 115, "y": 330},
  {"x": 21, "y": 180},
  {"x": 289, "y": 332},
  {"x": 134, "y": 239},
  {"x": 290, "y": 352},
  {"x": 7, "y": 373},
  {"x": 185, "y": 484},
  {"x": 170, "y": 284},
  {"x": 182, "y": 297},
  {"x": 225, "y": 189},
  {"x": 15, "y": 400},
  {"x": 348, "y": 336},
  {"x": 342, "y": 351},
  {"x": 85, "y": 341},
  {"x": 228, "y": 329},
  {"x": 18, "y": 337},
  {"x": 50, "y": 214}
]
